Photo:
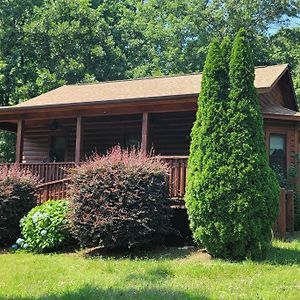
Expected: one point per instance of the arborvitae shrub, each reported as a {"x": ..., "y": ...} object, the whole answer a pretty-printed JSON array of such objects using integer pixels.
[
  {"x": 46, "y": 227},
  {"x": 208, "y": 148},
  {"x": 254, "y": 205},
  {"x": 120, "y": 200},
  {"x": 232, "y": 194},
  {"x": 17, "y": 197}
]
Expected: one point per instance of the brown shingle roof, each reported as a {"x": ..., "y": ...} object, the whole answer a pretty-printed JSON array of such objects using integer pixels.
[
  {"x": 265, "y": 78},
  {"x": 279, "y": 110}
]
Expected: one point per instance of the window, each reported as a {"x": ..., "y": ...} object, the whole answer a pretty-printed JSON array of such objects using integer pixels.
[
  {"x": 277, "y": 154},
  {"x": 58, "y": 147}
]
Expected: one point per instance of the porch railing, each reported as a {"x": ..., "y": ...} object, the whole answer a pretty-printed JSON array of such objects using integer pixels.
[
  {"x": 54, "y": 178},
  {"x": 55, "y": 172},
  {"x": 46, "y": 172},
  {"x": 285, "y": 220},
  {"x": 177, "y": 175},
  {"x": 54, "y": 181},
  {"x": 53, "y": 190}
]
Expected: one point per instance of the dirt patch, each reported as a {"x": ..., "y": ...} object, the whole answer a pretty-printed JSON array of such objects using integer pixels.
[
  {"x": 198, "y": 255},
  {"x": 160, "y": 253}
]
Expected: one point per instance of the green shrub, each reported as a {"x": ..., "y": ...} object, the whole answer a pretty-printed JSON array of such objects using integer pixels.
[
  {"x": 17, "y": 197},
  {"x": 120, "y": 201},
  {"x": 45, "y": 227},
  {"x": 232, "y": 194}
]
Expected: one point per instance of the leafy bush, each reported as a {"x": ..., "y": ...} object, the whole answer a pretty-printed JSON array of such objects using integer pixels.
[
  {"x": 45, "y": 227},
  {"x": 17, "y": 197},
  {"x": 120, "y": 200}
]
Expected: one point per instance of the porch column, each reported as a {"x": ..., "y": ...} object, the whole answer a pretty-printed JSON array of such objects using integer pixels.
[
  {"x": 145, "y": 133},
  {"x": 20, "y": 141},
  {"x": 78, "y": 139}
]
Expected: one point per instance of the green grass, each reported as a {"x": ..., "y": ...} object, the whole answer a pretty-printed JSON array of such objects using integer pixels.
[{"x": 165, "y": 274}]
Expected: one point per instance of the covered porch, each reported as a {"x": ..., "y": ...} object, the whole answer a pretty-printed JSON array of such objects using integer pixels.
[{"x": 48, "y": 148}]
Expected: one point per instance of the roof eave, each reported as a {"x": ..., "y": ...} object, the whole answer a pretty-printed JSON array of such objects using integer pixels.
[
  {"x": 23, "y": 109},
  {"x": 282, "y": 117}
]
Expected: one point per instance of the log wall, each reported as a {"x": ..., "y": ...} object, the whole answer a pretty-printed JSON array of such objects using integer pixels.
[
  {"x": 170, "y": 132},
  {"x": 37, "y": 138},
  {"x": 101, "y": 133}
]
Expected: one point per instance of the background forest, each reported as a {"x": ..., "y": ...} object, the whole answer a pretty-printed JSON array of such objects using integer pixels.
[{"x": 47, "y": 43}]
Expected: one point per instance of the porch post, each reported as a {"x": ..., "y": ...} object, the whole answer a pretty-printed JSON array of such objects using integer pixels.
[
  {"x": 145, "y": 133},
  {"x": 78, "y": 139},
  {"x": 19, "y": 142}
]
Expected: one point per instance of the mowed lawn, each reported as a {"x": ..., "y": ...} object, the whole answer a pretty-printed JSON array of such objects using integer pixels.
[{"x": 165, "y": 274}]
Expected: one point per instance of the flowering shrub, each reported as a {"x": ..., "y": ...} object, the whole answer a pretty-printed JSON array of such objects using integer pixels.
[
  {"x": 20, "y": 244},
  {"x": 45, "y": 227},
  {"x": 17, "y": 197},
  {"x": 120, "y": 200}
]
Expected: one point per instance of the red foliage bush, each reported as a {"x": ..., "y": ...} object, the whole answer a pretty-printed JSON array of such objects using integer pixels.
[
  {"x": 120, "y": 200},
  {"x": 17, "y": 197}
]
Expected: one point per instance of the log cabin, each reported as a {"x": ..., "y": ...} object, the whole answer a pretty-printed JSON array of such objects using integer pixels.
[{"x": 64, "y": 126}]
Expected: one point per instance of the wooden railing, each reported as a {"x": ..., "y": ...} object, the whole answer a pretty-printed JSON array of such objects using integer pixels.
[
  {"x": 177, "y": 176},
  {"x": 285, "y": 220},
  {"x": 53, "y": 173},
  {"x": 46, "y": 172},
  {"x": 53, "y": 190},
  {"x": 54, "y": 185},
  {"x": 54, "y": 180}
]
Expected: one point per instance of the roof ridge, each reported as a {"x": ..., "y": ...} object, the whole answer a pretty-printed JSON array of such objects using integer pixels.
[
  {"x": 156, "y": 77},
  {"x": 133, "y": 79},
  {"x": 270, "y": 66}
]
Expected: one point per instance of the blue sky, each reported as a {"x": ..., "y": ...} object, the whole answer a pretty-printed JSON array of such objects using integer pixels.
[{"x": 293, "y": 22}]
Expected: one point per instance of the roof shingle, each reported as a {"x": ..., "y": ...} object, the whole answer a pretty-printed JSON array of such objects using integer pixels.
[{"x": 265, "y": 78}]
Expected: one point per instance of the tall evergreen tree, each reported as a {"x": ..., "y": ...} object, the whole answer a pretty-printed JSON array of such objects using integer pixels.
[
  {"x": 254, "y": 190},
  {"x": 206, "y": 174},
  {"x": 232, "y": 194}
]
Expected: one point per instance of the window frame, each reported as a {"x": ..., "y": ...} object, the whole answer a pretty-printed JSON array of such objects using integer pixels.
[{"x": 285, "y": 137}]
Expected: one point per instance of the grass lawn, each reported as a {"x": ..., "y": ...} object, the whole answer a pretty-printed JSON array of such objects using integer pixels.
[{"x": 166, "y": 274}]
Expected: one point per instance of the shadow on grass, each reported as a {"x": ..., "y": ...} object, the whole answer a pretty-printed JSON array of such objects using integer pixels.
[
  {"x": 159, "y": 253},
  {"x": 155, "y": 275},
  {"x": 91, "y": 293},
  {"x": 282, "y": 256}
]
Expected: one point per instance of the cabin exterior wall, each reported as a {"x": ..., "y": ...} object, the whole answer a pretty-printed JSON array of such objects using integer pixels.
[{"x": 169, "y": 135}]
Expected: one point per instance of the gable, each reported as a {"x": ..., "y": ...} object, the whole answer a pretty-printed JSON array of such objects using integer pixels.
[{"x": 280, "y": 94}]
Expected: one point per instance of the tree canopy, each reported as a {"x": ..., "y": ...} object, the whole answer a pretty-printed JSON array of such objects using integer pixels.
[{"x": 45, "y": 43}]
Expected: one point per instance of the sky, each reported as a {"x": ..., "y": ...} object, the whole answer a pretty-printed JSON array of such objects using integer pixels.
[{"x": 293, "y": 22}]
